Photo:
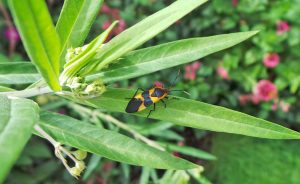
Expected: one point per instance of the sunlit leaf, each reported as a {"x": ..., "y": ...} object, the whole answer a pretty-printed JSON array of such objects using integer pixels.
[
  {"x": 141, "y": 32},
  {"x": 39, "y": 37},
  {"x": 195, "y": 114},
  {"x": 17, "y": 119},
  {"x": 152, "y": 59},
  {"x": 75, "y": 21}
]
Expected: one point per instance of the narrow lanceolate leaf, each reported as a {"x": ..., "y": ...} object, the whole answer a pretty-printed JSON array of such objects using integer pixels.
[
  {"x": 5, "y": 89},
  {"x": 39, "y": 37},
  {"x": 17, "y": 119},
  {"x": 18, "y": 73},
  {"x": 195, "y": 114},
  {"x": 188, "y": 151},
  {"x": 108, "y": 144},
  {"x": 152, "y": 59},
  {"x": 143, "y": 31},
  {"x": 75, "y": 21}
]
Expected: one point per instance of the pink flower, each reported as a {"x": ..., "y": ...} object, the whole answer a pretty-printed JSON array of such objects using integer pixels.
[
  {"x": 191, "y": 70},
  {"x": 62, "y": 111},
  {"x": 176, "y": 154},
  {"x": 115, "y": 13},
  {"x": 271, "y": 60},
  {"x": 243, "y": 99},
  {"x": 105, "y": 9},
  {"x": 285, "y": 107},
  {"x": 275, "y": 106},
  {"x": 12, "y": 34},
  {"x": 222, "y": 72},
  {"x": 180, "y": 143},
  {"x": 234, "y": 2},
  {"x": 255, "y": 99},
  {"x": 282, "y": 27},
  {"x": 106, "y": 24},
  {"x": 265, "y": 91},
  {"x": 120, "y": 27}
]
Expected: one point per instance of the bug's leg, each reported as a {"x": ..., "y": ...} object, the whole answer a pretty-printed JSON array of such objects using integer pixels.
[
  {"x": 151, "y": 110},
  {"x": 174, "y": 98},
  {"x": 135, "y": 93},
  {"x": 165, "y": 104}
]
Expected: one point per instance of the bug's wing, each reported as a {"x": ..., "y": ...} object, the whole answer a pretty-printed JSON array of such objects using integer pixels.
[{"x": 133, "y": 105}]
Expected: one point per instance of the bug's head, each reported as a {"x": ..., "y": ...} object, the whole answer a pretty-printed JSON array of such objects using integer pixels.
[{"x": 158, "y": 84}]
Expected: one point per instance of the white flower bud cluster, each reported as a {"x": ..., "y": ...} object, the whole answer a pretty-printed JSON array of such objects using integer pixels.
[{"x": 81, "y": 88}]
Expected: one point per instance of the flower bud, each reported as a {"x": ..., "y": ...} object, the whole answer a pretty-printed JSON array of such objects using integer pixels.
[
  {"x": 79, "y": 154},
  {"x": 75, "y": 171},
  {"x": 80, "y": 165}
]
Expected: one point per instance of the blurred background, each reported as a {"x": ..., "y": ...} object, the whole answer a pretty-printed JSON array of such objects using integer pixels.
[{"x": 259, "y": 77}]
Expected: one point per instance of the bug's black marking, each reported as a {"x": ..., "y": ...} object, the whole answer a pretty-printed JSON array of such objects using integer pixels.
[
  {"x": 148, "y": 102},
  {"x": 158, "y": 92},
  {"x": 133, "y": 105},
  {"x": 147, "y": 99}
]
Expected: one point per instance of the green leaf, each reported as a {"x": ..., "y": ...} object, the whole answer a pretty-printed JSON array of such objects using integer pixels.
[
  {"x": 195, "y": 114},
  {"x": 75, "y": 21},
  {"x": 152, "y": 59},
  {"x": 141, "y": 32},
  {"x": 189, "y": 151},
  {"x": 108, "y": 144},
  {"x": 5, "y": 89},
  {"x": 17, "y": 119},
  {"x": 39, "y": 37},
  {"x": 18, "y": 73},
  {"x": 79, "y": 62}
]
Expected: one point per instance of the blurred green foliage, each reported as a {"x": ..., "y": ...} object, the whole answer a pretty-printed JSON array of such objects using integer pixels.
[{"x": 254, "y": 161}]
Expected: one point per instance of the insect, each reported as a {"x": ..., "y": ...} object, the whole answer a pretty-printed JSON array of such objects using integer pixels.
[{"x": 157, "y": 93}]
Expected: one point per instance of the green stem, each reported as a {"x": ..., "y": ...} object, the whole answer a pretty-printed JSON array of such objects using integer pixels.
[{"x": 28, "y": 92}]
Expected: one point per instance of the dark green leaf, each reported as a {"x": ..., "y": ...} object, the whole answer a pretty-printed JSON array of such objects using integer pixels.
[{"x": 108, "y": 144}]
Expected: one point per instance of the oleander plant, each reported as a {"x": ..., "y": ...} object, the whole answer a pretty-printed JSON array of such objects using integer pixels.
[{"x": 68, "y": 69}]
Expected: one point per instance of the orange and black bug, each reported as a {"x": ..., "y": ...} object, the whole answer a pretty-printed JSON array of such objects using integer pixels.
[{"x": 148, "y": 97}]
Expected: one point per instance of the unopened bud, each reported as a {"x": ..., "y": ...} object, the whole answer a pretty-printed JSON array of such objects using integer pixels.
[
  {"x": 80, "y": 154},
  {"x": 75, "y": 171},
  {"x": 80, "y": 165}
]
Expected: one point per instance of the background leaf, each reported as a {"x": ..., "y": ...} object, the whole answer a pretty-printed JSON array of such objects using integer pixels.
[
  {"x": 189, "y": 151},
  {"x": 18, "y": 73},
  {"x": 75, "y": 21},
  {"x": 107, "y": 143},
  {"x": 196, "y": 114},
  {"x": 39, "y": 37},
  {"x": 152, "y": 59},
  {"x": 17, "y": 119},
  {"x": 142, "y": 32}
]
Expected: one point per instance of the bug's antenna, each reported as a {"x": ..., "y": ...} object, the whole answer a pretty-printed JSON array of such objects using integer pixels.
[
  {"x": 181, "y": 91},
  {"x": 173, "y": 83}
]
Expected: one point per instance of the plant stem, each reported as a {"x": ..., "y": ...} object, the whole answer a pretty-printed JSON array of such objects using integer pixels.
[
  {"x": 28, "y": 92},
  {"x": 116, "y": 122},
  {"x": 58, "y": 148},
  {"x": 39, "y": 129}
]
